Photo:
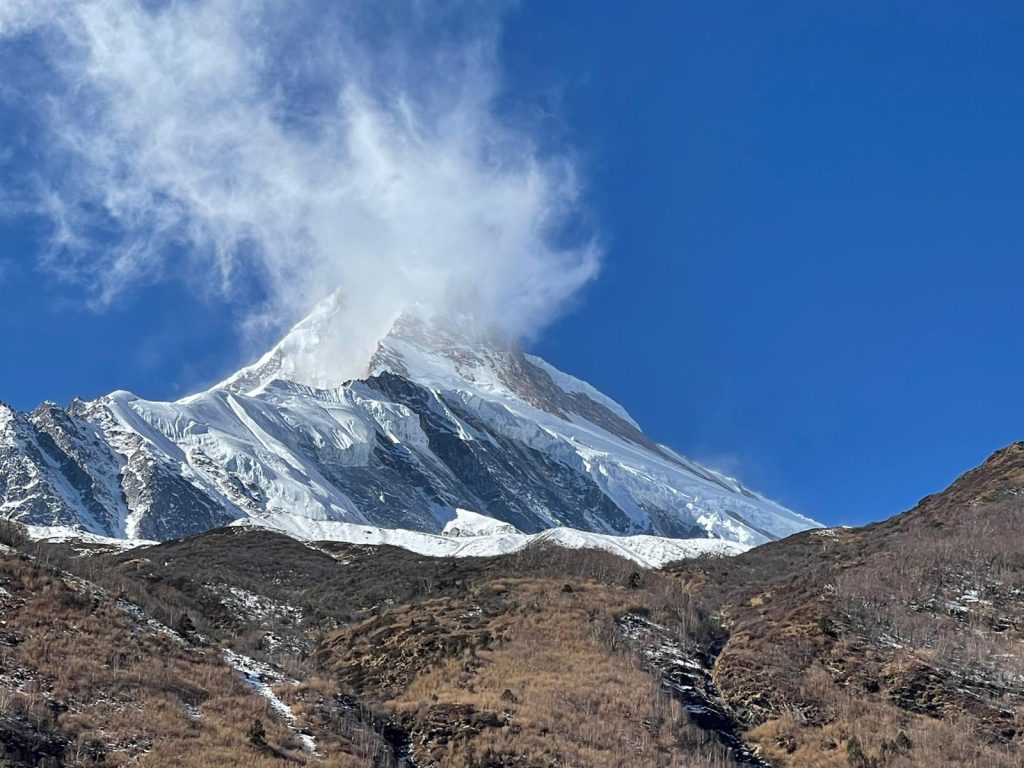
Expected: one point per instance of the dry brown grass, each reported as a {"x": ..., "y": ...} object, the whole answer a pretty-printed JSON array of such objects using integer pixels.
[
  {"x": 875, "y": 726},
  {"x": 586, "y": 700},
  {"x": 841, "y": 640},
  {"x": 115, "y": 691},
  {"x": 541, "y": 677},
  {"x": 581, "y": 698}
]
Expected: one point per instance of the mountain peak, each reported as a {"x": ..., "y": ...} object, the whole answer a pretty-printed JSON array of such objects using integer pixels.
[
  {"x": 441, "y": 351},
  {"x": 319, "y": 351},
  {"x": 332, "y": 346},
  {"x": 396, "y": 419},
  {"x": 419, "y": 341}
]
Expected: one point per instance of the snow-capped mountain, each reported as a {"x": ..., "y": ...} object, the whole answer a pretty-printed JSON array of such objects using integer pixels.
[{"x": 442, "y": 418}]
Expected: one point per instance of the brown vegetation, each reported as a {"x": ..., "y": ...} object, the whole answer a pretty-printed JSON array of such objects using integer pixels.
[
  {"x": 890, "y": 646},
  {"x": 524, "y": 671},
  {"x": 85, "y": 682},
  {"x": 503, "y": 661},
  {"x": 841, "y": 640}
]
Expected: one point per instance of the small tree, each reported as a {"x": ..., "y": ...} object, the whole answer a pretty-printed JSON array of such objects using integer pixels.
[
  {"x": 856, "y": 757},
  {"x": 185, "y": 627},
  {"x": 903, "y": 742},
  {"x": 257, "y": 734}
]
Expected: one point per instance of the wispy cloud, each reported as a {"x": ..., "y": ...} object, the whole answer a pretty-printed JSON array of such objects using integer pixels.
[{"x": 301, "y": 146}]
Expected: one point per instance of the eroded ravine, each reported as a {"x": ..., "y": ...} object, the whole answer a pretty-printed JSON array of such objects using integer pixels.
[{"x": 685, "y": 673}]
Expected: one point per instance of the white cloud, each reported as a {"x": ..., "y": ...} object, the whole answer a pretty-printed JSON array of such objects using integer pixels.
[{"x": 304, "y": 146}]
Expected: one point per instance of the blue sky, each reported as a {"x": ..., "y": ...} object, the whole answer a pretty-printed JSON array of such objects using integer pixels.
[{"x": 810, "y": 216}]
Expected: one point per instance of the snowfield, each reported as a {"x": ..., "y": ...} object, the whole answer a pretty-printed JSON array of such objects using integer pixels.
[
  {"x": 469, "y": 535},
  {"x": 646, "y": 551}
]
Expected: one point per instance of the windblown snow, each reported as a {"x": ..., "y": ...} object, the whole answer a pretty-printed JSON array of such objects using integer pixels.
[{"x": 442, "y": 419}]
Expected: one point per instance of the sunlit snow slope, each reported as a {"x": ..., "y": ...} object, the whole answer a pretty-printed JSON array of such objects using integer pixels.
[{"x": 441, "y": 418}]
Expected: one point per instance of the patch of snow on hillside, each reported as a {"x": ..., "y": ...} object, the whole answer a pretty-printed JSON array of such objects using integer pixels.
[
  {"x": 646, "y": 551},
  {"x": 257, "y": 609},
  {"x": 64, "y": 534},
  {"x": 260, "y": 677}
]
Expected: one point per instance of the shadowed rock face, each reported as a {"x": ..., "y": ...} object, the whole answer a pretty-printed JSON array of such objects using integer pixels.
[
  {"x": 513, "y": 481},
  {"x": 58, "y": 467},
  {"x": 442, "y": 420}
]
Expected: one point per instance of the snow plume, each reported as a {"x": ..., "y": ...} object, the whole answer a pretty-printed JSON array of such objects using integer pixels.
[{"x": 297, "y": 146}]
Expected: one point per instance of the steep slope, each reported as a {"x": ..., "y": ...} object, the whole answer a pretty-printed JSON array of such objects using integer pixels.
[
  {"x": 443, "y": 417},
  {"x": 90, "y": 678},
  {"x": 841, "y": 640}
]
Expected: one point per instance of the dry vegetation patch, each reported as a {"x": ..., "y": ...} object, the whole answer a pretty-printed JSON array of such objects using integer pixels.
[
  {"x": 841, "y": 640},
  {"x": 94, "y": 684},
  {"x": 529, "y": 671}
]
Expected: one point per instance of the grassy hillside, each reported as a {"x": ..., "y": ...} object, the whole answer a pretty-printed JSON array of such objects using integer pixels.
[{"x": 896, "y": 645}]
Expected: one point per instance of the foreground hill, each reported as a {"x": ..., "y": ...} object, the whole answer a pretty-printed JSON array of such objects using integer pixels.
[
  {"x": 347, "y": 655},
  {"x": 840, "y": 640},
  {"x": 897, "y": 644}
]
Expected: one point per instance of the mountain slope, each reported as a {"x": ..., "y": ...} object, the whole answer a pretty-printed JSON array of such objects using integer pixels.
[
  {"x": 839, "y": 640},
  {"x": 442, "y": 418}
]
